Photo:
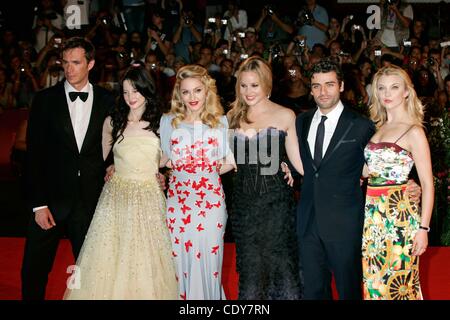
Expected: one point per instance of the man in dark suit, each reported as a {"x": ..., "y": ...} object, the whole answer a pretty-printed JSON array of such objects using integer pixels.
[
  {"x": 331, "y": 208},
  {"x": 65, "y": 161}
]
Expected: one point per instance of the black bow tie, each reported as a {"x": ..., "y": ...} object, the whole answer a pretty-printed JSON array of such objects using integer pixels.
[{"x": 73, "y": 96}]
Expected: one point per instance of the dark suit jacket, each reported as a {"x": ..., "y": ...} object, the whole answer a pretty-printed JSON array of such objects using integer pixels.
[
  {"x": 57, "y": 170},
  {"x": 333, "y": 189}
]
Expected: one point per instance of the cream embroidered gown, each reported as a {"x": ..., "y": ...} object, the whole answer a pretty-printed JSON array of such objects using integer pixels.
[{"x": 127, "y": 250}]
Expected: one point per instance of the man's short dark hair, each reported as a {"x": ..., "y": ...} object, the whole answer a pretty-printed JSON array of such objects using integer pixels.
[
  {"x": 325, "y": 66},
  {"x": 387, "y": 58},
  {"x": 226, "y": 60},
  {"x": 80, "y": 42}
]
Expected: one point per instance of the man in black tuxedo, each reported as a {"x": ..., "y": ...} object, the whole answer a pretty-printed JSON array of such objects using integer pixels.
[
  {"x": 66, "y": 166},
  {"x": 331, "y": 208}
]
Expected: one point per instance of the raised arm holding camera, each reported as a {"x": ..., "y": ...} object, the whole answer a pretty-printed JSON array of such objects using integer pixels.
[
  {"x": 47, "y": 23},
  {"x": 395, "y": 20},
  {"x": 237, "y": 19},
  {"x": 274, "y": 21},
  {"x": 102, "y": 29},
  {"x": 186, "y": 33},
  {"x": 313, "y": 22},
  {"x": 159, "y": 36},
  {"x": 434, "y": 65}
]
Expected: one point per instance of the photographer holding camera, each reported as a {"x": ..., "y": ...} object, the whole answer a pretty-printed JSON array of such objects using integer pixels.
[
  {"x": 47, "y": 23},
  {"x": 273, "y": 26},
  {"x": 25, "y": 82},
  {"x": 434, "y": 62},
  {"x": 237, "y": 19},
  {"x": 159, "y": 34},
  {"x": 313, "y": 23},
  {"x": 102, "y": 32},
  {"x": 53, "y": 73},
  {"x": 396, "y": 18},
  {"x": 186, "y": 33}
]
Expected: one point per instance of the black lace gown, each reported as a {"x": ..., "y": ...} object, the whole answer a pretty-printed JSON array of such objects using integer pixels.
[{"x": 263, "y": 219}]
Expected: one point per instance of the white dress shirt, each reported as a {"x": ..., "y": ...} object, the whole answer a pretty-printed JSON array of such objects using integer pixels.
[
  {"x": 330, "y": 126},
  {"x": 80, "y": 114}
]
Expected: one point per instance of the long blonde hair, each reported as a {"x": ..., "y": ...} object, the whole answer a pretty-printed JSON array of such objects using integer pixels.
[
  {"x": 212, "y": 110},
  {"x": 414, "y": 106},
  {"x": 239, "y": 108}
]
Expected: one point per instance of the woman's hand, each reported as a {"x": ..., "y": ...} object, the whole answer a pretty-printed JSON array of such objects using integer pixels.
[
  {"x": 162, "y": 180},
  {"x": 420, "y": 242},
  {"x": 287, "y": 174},
  {"x": 109, "y": 172},
  {"x": 413, "y": 191}
]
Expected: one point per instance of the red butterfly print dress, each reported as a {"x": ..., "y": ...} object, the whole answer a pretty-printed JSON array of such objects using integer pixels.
[{"x": 196, "y": 213}]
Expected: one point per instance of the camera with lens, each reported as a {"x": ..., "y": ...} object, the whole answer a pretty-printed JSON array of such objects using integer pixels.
[
  {"x": 275, "y": 50},
  {"x": 431, "y": 62},
  {"x": 269, "y": 9},
  {"x": 211, "y": 25},
  {"x": 122, "y": 55},
  {"x": 56, "y": 67},
  {"x": 155, "y": 28},
  {"x": 22, "y": 68},
  {"x": 106, "y": 20},
  {"x": 187, "y": 20},
  {"x": 57, "y": 42},
  {"x": 299, "y": 43},
  {"x": 292, "y": 73},
  {"x": 305, "y": 17}
]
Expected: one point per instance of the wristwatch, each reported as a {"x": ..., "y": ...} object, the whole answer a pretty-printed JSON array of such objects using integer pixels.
[{"x": 425, "y": 228}]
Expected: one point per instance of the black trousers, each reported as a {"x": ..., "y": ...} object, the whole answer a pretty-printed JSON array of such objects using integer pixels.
[
  {"x": 321, "y": 259},
  {"x": 41, "y": 246}
]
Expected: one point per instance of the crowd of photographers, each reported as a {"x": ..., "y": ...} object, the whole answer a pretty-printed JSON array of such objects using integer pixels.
[{"x": 167, "y": 34}]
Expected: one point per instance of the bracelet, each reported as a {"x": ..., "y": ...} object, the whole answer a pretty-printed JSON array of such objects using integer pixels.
[{"x": 425, "y": 228}]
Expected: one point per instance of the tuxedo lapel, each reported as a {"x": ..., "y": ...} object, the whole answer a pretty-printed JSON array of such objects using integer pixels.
[
  {"x": 93, "y": 121},
  {"x": 305, "y": 131},
  {"x": 63, "y": 115},
  {"x": 343, "y": 127}
]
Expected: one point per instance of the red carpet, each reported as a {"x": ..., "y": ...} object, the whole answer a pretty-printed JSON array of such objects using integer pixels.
[
  {"x": 11, "y": 253},
  {"x": 434, "y": 271}
]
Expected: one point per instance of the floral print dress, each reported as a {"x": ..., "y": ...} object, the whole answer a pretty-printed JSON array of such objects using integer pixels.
[{"x": 390, "y": 271}]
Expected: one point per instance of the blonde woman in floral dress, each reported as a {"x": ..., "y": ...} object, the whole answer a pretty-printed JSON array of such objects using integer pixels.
[{"x": 395, "y": 229}]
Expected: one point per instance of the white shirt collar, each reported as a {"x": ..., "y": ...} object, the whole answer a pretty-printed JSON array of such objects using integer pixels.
[
  {"x": 332, "y": 115},
  {"x": 69, "y": 88}
]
